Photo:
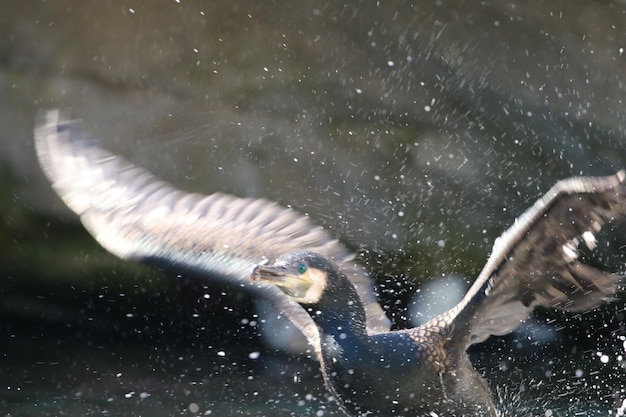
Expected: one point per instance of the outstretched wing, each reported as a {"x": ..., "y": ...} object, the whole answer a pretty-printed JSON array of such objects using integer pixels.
[
  {"x": 534, "y": 263},
  {"x": 138, "y": 217}
]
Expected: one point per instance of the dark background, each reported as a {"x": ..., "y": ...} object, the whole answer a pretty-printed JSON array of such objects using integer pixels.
[{"x": 415, "y": 133}]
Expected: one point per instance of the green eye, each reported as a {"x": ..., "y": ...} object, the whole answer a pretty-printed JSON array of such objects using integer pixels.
[{"x": 301, "y": 268}]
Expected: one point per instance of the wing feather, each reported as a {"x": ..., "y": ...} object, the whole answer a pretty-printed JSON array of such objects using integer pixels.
[
  {"x": 138, "y": 217},
  {"x": 534, "y": 263}
]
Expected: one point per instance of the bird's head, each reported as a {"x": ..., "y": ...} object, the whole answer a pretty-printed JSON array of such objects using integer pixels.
[
  {"x": 315, "y": 281},
  {"x": 304, "y": 276}
]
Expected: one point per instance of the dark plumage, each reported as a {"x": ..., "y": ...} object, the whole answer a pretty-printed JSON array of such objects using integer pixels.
[{"x": 425, "y": 370}]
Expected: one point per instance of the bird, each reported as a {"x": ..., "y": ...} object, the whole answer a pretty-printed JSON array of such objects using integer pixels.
[
  {"x": 425, "y": 370},
  {"x": 218, "y": 237},
  {"x": 317, "y": 283}
]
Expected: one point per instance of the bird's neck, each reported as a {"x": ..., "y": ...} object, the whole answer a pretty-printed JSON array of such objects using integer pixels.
[
  {"x": 342, "y": 324},
  {"x": 340, "y": 313}
]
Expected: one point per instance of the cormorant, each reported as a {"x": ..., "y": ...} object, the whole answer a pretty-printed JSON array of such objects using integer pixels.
[
  {"x": 370, "y": 370},
  {"x": 425, "y": 371}
]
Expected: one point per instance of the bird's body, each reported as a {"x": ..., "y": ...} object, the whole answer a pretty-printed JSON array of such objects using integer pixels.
[
  {"x": 401, "y": 373},
  {"x": 422, "y": 371},
  {"x": 412, "y": 372}
]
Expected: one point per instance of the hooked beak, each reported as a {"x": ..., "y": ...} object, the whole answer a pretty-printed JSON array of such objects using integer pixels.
[
  {"x": 295, "y": 286},
  {"x": 268, "y": 274}
]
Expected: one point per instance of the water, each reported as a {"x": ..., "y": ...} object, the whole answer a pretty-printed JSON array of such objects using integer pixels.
[{"x": 89, "y": 357}]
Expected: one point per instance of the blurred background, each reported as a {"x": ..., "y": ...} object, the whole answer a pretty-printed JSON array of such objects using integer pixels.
[{"x": 416, "y": 133}]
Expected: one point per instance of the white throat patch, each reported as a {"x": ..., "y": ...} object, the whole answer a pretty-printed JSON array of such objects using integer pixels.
[{"x": 318, "y": 285}]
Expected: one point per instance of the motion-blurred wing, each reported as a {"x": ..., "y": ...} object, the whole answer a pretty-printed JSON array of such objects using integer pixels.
[
  {"x": 137, "y": 217},
  {"x": 534, "y": 263}
]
